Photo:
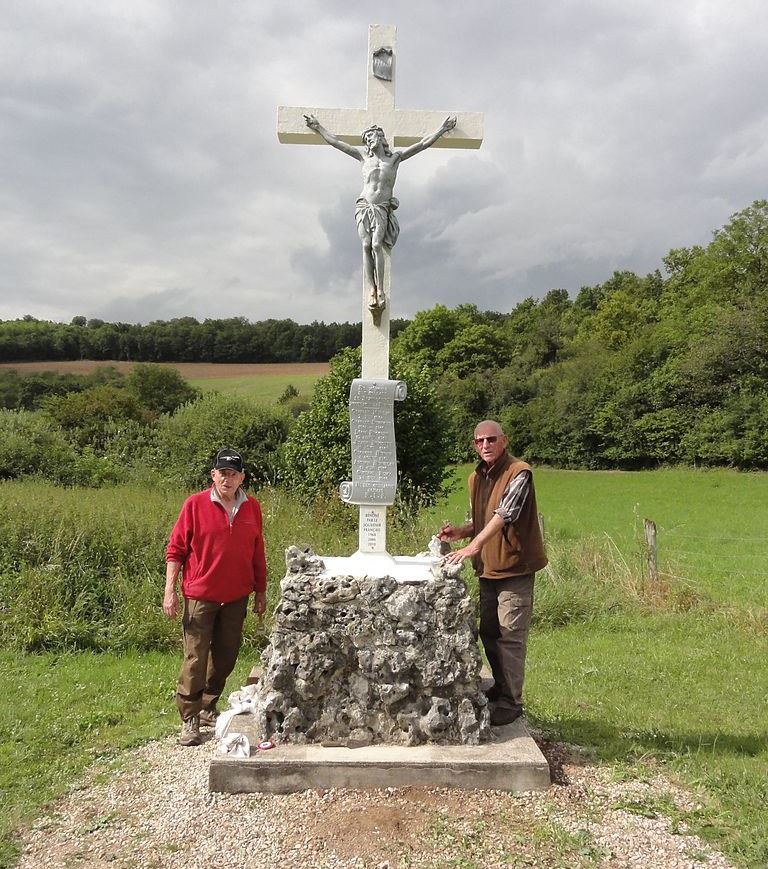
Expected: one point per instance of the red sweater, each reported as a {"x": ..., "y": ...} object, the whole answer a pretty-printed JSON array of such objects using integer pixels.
[{"x": 220, "y": 562}]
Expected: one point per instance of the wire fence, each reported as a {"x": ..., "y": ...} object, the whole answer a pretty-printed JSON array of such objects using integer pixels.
[{"x": 739, "y": 560}]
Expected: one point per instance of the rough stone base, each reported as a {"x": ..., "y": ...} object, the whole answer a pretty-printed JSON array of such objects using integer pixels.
[
  {"x": 374, "y": 680},
  {"x": 510, "y": 761},
  {"x": 369, "y": 658}
]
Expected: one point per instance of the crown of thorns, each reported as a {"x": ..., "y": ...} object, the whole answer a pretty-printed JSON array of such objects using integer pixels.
[{"x": 372, "y": 129}]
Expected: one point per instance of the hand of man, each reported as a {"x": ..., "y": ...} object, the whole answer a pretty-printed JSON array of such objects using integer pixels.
[
  {"x": 449, "y": 532},
  {"x": 170, "y": 604},
  {"x": 311, "y": 122},
  {"x": 458, "y": 555},
  {"x": 260, "y": 603}
]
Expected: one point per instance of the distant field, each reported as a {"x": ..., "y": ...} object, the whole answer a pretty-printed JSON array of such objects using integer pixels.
[
  {"x": 263, "y": 386},
  {"x": 189, "y": 370},
  {"x": 263, "y": 382},
  {"x": 711, "y": 523}
]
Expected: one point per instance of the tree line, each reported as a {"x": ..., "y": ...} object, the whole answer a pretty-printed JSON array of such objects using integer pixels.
[
  {"x": 183, "y": 339},
  {"x": 633, "y": 372}
]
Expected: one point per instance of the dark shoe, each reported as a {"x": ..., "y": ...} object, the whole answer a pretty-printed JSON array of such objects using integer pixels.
[
  {"x": 500, "y": 717},
  {"x": 190, "y": 731},
  {"x": 208, "y": 717},
  {"x": 493, "y": 693}
]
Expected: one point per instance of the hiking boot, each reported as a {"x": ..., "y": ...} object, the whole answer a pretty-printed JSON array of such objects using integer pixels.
[
  {"x": 190, "y": 731},
  {"x": 208, "y": 717},
  {"x": 500, "y": 717}
]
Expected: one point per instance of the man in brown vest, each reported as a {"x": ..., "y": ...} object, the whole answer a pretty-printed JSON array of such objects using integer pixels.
[{"x": 506, "y": 551}]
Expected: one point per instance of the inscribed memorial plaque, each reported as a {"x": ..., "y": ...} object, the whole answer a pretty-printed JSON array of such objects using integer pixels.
[{"x": 372, "y": 428}]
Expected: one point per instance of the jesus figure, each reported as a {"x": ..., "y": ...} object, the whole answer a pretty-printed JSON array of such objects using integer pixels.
[{"x": 377, "y": 225}]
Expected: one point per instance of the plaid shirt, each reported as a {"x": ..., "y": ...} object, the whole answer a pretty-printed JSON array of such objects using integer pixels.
[{"x": 514, "y": 496}]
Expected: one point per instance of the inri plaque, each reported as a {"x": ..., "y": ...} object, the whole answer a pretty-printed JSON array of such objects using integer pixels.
[{"x": 372, "y": 427}]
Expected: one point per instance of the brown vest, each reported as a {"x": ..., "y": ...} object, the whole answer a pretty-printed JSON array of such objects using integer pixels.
[{"x": 519, "y": 549}]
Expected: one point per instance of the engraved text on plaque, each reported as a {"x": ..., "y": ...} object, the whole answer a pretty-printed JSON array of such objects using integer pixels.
[{"x": 372, "y": 427}]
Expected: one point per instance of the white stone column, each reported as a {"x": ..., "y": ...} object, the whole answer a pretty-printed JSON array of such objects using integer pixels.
[
  {"x": 372, "y": 527},
  {"x": 376, "y": 329}
]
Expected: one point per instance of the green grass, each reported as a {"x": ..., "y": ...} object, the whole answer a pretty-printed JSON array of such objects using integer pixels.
[
  {"x": 689, "y": 693},
  {"x": 710, "y": 522},
  {"x": 265, "y": 388},
  {"x": 63, "y": 714},
  {"x": 676, "y": 674},
  {"x": 644, "y": 677}
]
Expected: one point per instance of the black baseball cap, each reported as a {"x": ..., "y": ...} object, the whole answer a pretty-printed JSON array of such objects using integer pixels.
[{"x": 227, "y": 458}]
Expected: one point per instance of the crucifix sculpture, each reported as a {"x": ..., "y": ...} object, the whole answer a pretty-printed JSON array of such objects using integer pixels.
[
  {"x": 377, "y": 225},
  {"x": 373, "y": 445}
]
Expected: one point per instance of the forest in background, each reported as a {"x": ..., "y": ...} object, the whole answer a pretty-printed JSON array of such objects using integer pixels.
[
  {"x": 634, "y": 372},
  {"x": 184, "y": 339}
]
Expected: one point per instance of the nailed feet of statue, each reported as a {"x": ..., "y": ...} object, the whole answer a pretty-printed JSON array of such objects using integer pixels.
[{"x": 377, "y": 302}]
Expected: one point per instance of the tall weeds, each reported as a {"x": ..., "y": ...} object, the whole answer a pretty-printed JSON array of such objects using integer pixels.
[
  {"x": 84, "y": 568},
  {"x": 590, "y": 577}
]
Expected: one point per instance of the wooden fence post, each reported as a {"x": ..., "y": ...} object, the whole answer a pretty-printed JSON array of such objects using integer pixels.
[{"x": 651, "y": 552}]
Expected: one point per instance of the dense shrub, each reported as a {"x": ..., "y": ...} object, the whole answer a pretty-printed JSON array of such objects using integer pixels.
[
  {"x": 159, "y": 388},
  {"x": 29, "y": 391},
  {"x": 186, "y": 442},
  {"x": 318, "y": 454},
  {"x": 32, "y": 445},
  {"x": 87, "y": 415}
]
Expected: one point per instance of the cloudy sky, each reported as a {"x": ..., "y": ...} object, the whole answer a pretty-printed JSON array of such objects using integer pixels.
[{"x": 141, "y": 177}]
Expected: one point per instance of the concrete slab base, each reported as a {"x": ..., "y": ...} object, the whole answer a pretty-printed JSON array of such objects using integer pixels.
[{"x": 510, "y": 762}]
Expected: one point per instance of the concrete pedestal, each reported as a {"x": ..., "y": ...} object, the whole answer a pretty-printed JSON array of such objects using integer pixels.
[{"x": 510, "y": 762}]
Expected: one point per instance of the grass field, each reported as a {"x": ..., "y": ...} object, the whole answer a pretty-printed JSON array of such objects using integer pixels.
[
  {"x": 684, "y": 690},
  {"x": 265, "y": 388},
  {"x": 646, "y": 687},
  {"x": 681, "y": 693},
  {"x": 710, "y": 522},
  {"x": 262, "y": 382}
]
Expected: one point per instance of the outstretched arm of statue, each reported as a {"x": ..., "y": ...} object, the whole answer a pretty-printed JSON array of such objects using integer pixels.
[
  {"x": 315, "y": 125},
  {"x": 448, "y": 124}
]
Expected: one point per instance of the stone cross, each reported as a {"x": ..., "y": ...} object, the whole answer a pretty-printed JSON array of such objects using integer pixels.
[{"x": 373, "y": 449}]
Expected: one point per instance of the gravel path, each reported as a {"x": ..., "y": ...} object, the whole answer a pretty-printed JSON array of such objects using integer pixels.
[{"x": 153, "y": 809}]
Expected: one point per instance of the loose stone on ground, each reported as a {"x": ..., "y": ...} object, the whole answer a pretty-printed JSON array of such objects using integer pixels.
[{"x": 154, "y": 810}]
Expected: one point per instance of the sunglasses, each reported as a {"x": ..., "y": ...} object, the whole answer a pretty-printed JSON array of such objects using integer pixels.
[{"x": 491, "y": 440}]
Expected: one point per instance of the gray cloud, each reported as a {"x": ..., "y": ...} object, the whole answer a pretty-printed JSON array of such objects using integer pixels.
[{"x": 141, "y": 177}]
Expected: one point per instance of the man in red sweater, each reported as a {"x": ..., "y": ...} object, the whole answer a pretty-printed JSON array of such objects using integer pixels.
[{"x": 217, "y": 546}]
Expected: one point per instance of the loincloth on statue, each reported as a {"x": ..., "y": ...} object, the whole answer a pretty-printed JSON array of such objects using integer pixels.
[{"x": 370, "y": 217}]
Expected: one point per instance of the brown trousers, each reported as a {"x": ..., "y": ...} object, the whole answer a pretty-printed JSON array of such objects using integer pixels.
[
  {"x": 505, "y": 616},
  {"x": 212, "y": 636}
]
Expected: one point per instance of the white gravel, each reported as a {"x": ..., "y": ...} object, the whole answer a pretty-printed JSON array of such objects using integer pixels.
[{"x": 153, "y": 809}]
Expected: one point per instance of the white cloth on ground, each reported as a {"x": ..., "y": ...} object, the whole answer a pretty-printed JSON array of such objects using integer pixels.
[{"x": 236, "y": 745}]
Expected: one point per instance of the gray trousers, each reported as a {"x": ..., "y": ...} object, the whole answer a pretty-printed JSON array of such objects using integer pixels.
[
  {"x": 212, "y": 636},
  {"x": 505, "y": 616}
]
